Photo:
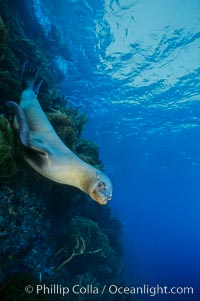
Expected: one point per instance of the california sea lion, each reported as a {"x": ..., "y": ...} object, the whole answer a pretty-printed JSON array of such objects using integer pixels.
[{"x": 46, "y": 152}]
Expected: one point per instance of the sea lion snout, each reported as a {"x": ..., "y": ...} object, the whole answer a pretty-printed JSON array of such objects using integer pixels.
[{"x": 101, "y": 190}]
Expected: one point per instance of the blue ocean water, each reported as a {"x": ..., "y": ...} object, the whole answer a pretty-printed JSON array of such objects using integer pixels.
[{"x": 136, "y": 72}]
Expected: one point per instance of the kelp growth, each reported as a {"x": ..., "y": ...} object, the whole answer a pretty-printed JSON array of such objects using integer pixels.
[
  {"x": 3, "y": 37},
  {"x": 7, "y": 161}
]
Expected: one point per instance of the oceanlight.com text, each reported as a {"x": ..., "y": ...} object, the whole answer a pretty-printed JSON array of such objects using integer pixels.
[
  {"x": 151, "y": 290},
  {"x": 89, "y": 289}
]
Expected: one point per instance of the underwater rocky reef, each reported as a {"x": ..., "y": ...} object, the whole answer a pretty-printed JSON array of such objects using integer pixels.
[{"x": 49, "y": 233}]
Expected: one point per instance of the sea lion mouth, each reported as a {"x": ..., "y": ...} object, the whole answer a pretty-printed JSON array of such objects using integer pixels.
[{"x": 102, "y": 200}]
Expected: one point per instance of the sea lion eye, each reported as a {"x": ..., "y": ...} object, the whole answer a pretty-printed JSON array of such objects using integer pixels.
[{"x": 102, "y": 185}]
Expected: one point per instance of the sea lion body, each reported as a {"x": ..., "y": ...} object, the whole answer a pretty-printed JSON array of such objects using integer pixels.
[{"x": 49, "y": 156}]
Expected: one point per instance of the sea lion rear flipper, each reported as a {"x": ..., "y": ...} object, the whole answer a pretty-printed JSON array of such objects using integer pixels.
[
  {"x": 29, "y": 77},
  {"x": 37, "y": 87},
  {"x": 24, "y": 129}
]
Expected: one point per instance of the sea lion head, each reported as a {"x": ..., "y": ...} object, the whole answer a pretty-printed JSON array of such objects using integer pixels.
[{"x": 101, "y": 188}]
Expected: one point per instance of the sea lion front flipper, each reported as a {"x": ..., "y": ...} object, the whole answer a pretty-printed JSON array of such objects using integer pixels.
[
  {"x": 37, "y": 153},
  {"x": 24, "y": 129},
  {"x": 37, "y": 145}
]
